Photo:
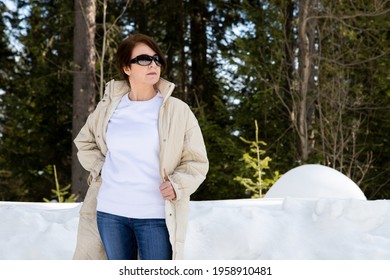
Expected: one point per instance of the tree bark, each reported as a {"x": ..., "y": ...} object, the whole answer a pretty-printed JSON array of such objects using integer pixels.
[
  {"x": 84, "y": 85},
  {"x": 198, "y": 52},
  {"x": 304, "y": 105}
]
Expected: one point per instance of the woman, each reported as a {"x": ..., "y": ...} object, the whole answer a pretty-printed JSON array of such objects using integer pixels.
[{"x": 146, "y": 156}]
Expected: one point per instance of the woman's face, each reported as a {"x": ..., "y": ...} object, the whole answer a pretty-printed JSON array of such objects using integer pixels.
[{"x": 139, "y": 74}]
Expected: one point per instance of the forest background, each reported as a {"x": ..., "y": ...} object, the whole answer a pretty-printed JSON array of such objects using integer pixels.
[{"x": 312, "y": 74}]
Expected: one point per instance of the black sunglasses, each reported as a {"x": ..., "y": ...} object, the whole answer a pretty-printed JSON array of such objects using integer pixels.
[{"x": 145, "y": 60}]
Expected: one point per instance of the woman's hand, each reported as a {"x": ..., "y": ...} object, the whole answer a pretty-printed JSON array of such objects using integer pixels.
[{"x": 166, "y": 188}]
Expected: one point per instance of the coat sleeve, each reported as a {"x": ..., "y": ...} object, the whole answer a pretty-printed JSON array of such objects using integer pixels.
[
  {"x": 89, "y": 153},
  {"x": 194, "y": 164}
]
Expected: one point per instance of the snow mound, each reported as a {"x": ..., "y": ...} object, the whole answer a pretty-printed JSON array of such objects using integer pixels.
[{"x": 315, "y": 181}]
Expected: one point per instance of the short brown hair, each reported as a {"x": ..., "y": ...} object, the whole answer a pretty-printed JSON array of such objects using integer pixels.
[{"x": 125, "y": 50}]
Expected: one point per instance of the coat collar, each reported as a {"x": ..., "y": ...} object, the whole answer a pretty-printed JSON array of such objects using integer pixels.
[{"x": 119, "y": 88}]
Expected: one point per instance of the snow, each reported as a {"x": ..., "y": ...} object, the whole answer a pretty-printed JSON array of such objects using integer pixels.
[
  {"x": 314, "y": 181},
  {"x": 289, "y": 228},
  {"x": 38, "y": 230},
  {"x": 272, "y": 228}
]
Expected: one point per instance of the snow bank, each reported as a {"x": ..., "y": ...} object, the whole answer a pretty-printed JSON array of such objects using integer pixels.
[
  {"x": 38, "y": 231},
  {"x": 288, "y": 228}
]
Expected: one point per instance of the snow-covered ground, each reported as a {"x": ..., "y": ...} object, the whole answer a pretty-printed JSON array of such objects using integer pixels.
[
  {"x": 290, "y": 228},
  {"x": 280, "y": 229},
  {"x": 339, "y": 227}
]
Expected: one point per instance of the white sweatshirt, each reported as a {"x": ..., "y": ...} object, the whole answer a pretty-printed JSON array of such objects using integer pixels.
[{"x": 130, "y": 174}]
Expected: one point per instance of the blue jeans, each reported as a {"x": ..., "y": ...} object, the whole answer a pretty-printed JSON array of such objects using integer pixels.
[{"x": 124, "y": 237}]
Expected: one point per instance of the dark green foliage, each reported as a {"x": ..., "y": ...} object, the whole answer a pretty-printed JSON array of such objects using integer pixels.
[
  {"x": 233, "y": 62},
  {"x": 36, "y": 105},
  {"x": 355, "y": 52}
]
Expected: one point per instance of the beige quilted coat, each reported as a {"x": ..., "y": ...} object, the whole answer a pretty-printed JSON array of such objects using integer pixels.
[{"x": 182, "y": 154}]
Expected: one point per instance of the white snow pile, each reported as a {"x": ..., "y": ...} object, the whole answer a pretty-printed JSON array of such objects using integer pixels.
[{"x": 311, "y": 213}]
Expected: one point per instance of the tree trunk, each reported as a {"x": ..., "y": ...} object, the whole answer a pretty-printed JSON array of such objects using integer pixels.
[
  {"x": 183, "y": 57},
  {"x": 198, "y": 52},
  {"x": 84, "y": 86},
  {"x": 304, "y": 106}
]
